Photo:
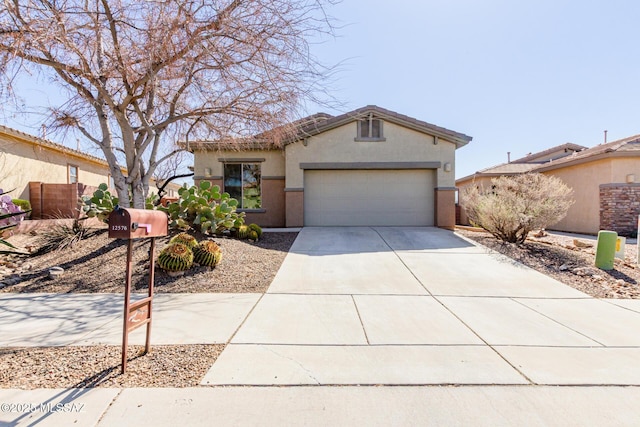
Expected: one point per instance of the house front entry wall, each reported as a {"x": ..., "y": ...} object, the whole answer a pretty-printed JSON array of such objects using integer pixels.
[
  {"x": 209, "y": 166},
  {"x": 334, "y": 161}
]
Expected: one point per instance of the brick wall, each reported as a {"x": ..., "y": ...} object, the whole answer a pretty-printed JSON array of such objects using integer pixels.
[{"x": 619, "y": 208}]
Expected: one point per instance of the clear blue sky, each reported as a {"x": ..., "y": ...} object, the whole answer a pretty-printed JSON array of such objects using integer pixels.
[{"x": 516, "y": 75}]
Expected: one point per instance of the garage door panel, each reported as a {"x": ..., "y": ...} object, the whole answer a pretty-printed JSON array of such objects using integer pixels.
[{"x": 369, "y": 197}]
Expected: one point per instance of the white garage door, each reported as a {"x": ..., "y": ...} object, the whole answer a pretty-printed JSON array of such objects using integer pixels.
[{"x": 369, "y": 197}]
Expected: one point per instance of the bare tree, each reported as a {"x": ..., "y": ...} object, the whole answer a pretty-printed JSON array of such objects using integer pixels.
[{"x": 142, "y": 75}]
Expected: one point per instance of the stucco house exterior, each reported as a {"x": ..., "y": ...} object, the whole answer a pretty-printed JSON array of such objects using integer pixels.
[
  {"x": 605, "y": 180},
  {"x": 50, "y": 175},
  {"x": 370, "y": 166}
]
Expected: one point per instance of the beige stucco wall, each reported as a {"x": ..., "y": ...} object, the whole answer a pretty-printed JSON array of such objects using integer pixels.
[
  {"x": 623, "y": 166},
  {"x": 22, "y": 161},
  {"x": 585, "y": 180},
  {"x": 401, "y": 145},
  {"x": 273, "y": 165}
]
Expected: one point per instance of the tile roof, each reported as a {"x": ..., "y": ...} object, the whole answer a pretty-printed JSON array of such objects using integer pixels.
[
  {"x": 508, "y": 168},
  {"x": 458, "y": 138},
  {"x": 532, "y": 157},
  {"x": 322, "y": 122},
  {"x": 50, "y": 144},
  {"x": 626, "y": 145},
  {"x": 579, "y": 154}
]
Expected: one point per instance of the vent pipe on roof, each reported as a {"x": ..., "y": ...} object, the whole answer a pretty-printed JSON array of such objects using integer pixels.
[
  {"x": 508, "y": 156},
  {"x": 605, "y": 136}
]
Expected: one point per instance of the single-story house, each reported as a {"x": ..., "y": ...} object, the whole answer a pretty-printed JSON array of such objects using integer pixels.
[
  {"x": 50, "y": 175},
  {"x": 367, "y": 167},
  {"x": 605, "y": 180}
]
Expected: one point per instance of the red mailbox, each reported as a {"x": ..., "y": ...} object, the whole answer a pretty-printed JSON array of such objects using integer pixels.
[{"x": 136, "y": 223}]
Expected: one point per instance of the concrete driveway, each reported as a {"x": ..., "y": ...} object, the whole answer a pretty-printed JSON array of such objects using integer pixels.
[{"x": 407, "y": 306}]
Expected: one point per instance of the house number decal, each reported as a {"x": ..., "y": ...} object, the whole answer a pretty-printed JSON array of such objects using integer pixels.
[{"x": 119, "y": 228}]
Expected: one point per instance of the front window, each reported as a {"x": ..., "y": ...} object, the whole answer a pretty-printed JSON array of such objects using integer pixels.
[
  {"x": 73, "y": 174},
  {"x": 243, "y": 182}
]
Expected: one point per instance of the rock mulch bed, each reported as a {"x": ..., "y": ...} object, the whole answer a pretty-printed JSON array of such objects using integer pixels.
[
  {"x": 99, "y": 366},
  {"x": 97, "y": 264},
  {"x": 571, "y": 261}
]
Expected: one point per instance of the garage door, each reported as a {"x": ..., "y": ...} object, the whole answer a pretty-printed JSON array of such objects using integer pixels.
[{"x": 369, "y": 197}]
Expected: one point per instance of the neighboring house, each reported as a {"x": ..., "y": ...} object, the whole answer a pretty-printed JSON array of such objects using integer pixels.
[
  {"x": 368, "y": 167},
  {"x": 50, "y": 175},
  {"x": 605, "y": 180}
]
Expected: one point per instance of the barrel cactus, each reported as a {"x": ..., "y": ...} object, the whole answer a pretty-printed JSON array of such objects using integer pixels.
[
  {"x": 186, "y": 239},
  {"x": 253, "y": 235},
  {"x": 207, "y": 253},
  {"x": 175, "y": 257},
  {"x": 257, "y": 229},
  {"x": 243, "y": 232}
]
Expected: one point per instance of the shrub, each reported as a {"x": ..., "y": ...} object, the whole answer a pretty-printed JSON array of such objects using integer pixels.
[
  {"x": 204, "y": 208},
  {"x": 25, "y": 205},
  {"x": 515, "y": 205},
  {"x": 10, "y": 215}
]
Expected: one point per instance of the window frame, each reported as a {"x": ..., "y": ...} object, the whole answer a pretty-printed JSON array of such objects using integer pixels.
[
  {"x": 368, "y": 121},
  {"x": 241, "y": 208},
  {"x": 69, "y": 175}
]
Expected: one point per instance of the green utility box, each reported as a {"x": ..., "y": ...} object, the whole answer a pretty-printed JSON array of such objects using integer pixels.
[{"x": 606, "y": 249}]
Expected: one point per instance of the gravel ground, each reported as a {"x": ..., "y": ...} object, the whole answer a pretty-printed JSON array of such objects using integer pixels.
[
  {"x": 99, "y": 366},
  {"x": 97, "y": 264},
  {"x": 557, "y": 256}
]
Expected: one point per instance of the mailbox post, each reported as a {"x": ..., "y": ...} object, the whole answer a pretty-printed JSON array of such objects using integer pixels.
[{"x": 135, "y": 224}]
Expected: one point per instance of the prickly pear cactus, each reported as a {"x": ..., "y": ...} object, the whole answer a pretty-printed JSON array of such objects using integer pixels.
[
  {"x": 243, "y": 232},
  {"x": 100, "y": 204},
  {"x": 256, "y": 228},
  {"x": 186, "y": 239},
  {"x": 175, "y": 257},
  {"x": 207, "y": 253}
]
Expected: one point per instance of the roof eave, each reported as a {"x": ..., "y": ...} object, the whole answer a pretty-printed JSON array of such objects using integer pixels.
[
  {"x": 600, "y": 156},
  {"x": 459, "y": 139}
]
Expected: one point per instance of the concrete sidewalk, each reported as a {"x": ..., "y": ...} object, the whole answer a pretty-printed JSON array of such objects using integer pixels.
[
  {"x": 28, "y": 320},
  {"x": 322, "y": 406},
  {"x": 459, "y": 336}
]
